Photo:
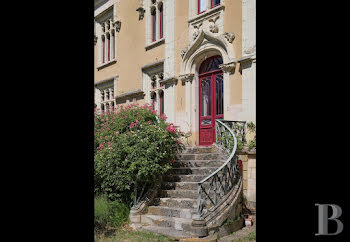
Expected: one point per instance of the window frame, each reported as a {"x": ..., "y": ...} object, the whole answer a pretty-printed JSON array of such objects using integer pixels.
[
  {"x": 199, "y": 7},
  {"x": 212, "y": 4}
]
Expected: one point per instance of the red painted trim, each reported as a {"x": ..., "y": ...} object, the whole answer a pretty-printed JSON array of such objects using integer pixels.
[
  {"x": 109, "y": 43},
  {"x": 212, "y": 4},
  {"x": 154, "y": 26},
  {"x": 161, "y": 23},
  {"x": 103, "y": 51},
  {"x": 199, "y": 7},
  {"x": 161, "y": 99},
  {"x": 213, "y": 115}
]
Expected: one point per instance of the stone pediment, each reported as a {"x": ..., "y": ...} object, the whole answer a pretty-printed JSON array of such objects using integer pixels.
[
  {"x": 205, "y": 37},
  {"x": 206, "y": 42}
]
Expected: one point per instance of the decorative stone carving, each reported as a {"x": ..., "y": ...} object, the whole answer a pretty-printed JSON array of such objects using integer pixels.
[
  {"x": 228, "y": 67},
  {"x": 229, "y": 36},
  {"x": 154, "y": 77},
  {"x": 196, "y": 31},
  {"x": 161, "y": 76},
  {"x": 186, "y": 78},
  {"x": 183, "y": 52},
  {"x": 95, "y": 39},
  {"x": 170, "y": 80},
  {"x": 213, "y": 26},
  {"x": 117, "y": 24},
  {"x": 141, "y": 11}
]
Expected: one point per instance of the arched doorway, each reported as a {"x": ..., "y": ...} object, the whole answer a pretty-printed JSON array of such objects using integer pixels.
[{"x": 211, "y": 98}]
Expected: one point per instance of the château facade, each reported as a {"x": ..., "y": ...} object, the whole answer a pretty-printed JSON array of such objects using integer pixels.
[{"x": 193, "y": 60}]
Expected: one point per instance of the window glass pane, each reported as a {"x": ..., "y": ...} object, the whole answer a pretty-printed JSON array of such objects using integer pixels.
[
  {"x": 202, "y": 5},
  {"x": 205, "y": 97},
  {"x": 219, "y": 94},
  {"x": 216, "y": 2}
]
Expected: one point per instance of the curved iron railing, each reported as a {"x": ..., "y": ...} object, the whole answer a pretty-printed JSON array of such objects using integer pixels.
[{"x": 212, "y": 189}]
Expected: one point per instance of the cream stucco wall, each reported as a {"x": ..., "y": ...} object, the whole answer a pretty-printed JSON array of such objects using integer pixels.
[{"x": 131, "y": 54}]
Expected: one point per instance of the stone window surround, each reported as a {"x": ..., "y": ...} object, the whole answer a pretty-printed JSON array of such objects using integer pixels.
[
  {"x": 153, "y": 73},
  {"x": 149, "y": 6},
  {"x": 193, "y": 9},
  {"x": 106, "y": 88},
  {"x": 108, "y": 13}
]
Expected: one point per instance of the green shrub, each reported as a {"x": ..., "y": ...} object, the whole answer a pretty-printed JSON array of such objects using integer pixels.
[
  {"x": 101, "y": 210},
  {"x": 110, "y": 213},
  {"x": 132, "y": 149}
]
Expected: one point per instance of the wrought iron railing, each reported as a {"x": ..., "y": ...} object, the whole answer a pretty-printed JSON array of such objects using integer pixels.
[{"x": 213, "y": 189}]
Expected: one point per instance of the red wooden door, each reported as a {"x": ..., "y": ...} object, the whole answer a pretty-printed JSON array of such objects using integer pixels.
[{"x": 211, "y": 99}]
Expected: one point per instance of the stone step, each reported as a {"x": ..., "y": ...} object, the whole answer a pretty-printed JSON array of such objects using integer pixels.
[
  {"x": 177, "y": 202},
  {"x": 171, "y": 211},
  {"x": 209, "y": 156},
  {"x": 178, "y": 194},
  {"x": 197, "y": 163},
  {"x": 179, "y": 185},
  {"x": 183, "y": 178},
  {"x": 176, "y": 234},
  {"x": 205, "y": 171},
  {"x": 179, "y": 224},
  {"x": 199, "y": 149}
]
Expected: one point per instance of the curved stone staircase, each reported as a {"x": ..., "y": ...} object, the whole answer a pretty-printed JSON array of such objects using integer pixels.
[{"x": 174, "y": 207}]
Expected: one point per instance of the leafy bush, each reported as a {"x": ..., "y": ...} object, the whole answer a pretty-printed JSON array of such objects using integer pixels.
[
  {"x": 110, "y": 213},
  {"x": 133, "y": 146}
]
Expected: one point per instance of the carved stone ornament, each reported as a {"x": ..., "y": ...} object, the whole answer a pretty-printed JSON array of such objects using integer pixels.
[
  {"x": 229, "y": 36},
  {"x": 228, "y": 67},
  {"x": 213, "y": 26},
  {"x": 117, "y": 24},
  {"x": 95, "y": 39},
  {"x": 141, "y": 11},
  {"x": 186, "y": 78},
  {"x": 196, "y": 31},
  {"x": 183, "y": 52}
]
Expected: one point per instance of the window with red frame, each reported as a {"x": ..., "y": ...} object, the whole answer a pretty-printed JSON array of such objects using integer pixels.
[
  {"x": 108, "y": 47},
  {"x": 161, "y": 101},
  {"x": 202, "y": 6},
  {"x": 161, "y": 21},
  {"x": 215, "y": 3},
  {"x": 103, "y": 50},
  {"x": 154, "y": 21}
]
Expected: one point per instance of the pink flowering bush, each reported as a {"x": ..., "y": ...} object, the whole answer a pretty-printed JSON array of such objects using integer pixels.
[{"x": 133, "y": 145}]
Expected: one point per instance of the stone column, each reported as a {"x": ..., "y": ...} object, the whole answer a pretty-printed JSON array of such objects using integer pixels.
[
  {"x": 169, "y": 62},
  {"x": 227, "y": 69}
]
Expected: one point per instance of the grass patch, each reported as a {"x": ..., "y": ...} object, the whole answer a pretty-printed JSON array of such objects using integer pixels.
[
  {"x": 250, "y": 237},
  {"x": 133, "y": 236}
]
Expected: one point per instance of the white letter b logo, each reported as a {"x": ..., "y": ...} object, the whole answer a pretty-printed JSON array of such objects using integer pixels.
[{"x": 323, "y": 218}]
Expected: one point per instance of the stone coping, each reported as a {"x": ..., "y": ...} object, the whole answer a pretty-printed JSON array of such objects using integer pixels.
[
  {"x": 106, "y": 64},
  {"x": 155, "y": 44},
  {"x": 137, "y": 92},
  {"x": 105, "y": 80}
]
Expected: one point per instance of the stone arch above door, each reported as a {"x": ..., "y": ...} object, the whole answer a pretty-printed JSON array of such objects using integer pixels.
[{"x": 206, "y": 45}]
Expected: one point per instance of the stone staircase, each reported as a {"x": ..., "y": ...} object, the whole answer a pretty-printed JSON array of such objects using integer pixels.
[{"x": 172, "y": 210}]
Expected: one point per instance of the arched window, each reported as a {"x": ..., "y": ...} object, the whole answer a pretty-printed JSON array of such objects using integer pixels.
[
  {"x": 161, "y": 21},
  {"x": 210, "y": 64},
  {"x": 161, "y": 102},
  {"x": 154, "y": 24}
]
